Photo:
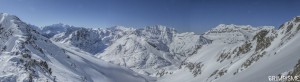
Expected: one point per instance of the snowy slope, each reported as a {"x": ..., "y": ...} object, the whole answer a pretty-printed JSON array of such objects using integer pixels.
[
  {"x": 148, "y": 50},
  {"x": 226, "y": 53},
  {"x": 153, "y": 50},
  {"x": 28, "y": 56},
  {"x": 233, "y": 58},
  {"x": 135, "y": 52}
]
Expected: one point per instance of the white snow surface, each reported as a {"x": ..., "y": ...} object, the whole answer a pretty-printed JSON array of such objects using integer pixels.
[
  {"x": 230, "y": 53},
  {"x": 226, "y": 53},
  {"x": 279, "y": 57},
  {"x": 27, "y": 56}
]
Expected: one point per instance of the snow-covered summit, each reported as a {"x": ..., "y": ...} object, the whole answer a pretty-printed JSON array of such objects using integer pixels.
[
  {"x": 8, "y": 17},
  {"x": 51, "y": 30},
  {"x": 159, "y": 28},
  {"x": 233, "y": 33},
  {"x": 120, "y": 28},
  {"x": 27, "y": 56},
  {"x": 235, "y": 28},
  {"x": 232, "y": 27}
]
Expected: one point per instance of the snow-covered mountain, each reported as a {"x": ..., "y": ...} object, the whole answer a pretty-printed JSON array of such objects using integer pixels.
[
  {"x": 51, "y": 30},
  {"x": 92, "y": 40},
  {"x": 146, "y": 50},
  {"x": 63, "y": 53},
  {"x": 243, "y": 54},
  {"x": 230, "y": 53},
  {"x": 28, "y": 56}
]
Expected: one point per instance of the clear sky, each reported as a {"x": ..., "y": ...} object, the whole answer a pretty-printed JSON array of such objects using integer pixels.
[{"x": 184, "y": 15}]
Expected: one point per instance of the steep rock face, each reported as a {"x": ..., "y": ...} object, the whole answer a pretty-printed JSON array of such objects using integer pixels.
[
  {"x": 294, "y": 72},
  {"x": 289, "y": 29},
  {"x": 27, "y": 56}
]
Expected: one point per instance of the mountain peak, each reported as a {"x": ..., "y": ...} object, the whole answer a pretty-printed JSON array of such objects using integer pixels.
[
  {"x": 123, "y": 28},
  {"x": 58, "y": 25},
  {"x": 12, "y": 23},
  {"x": 160, "y": 28},
  {"x": 291, "y": 26},
  {"x": 231, "y": 26},
  {"x": 51, "y": 30},
  {"x": 296, "y": 19},
  {"x": 6, "y": 16}
]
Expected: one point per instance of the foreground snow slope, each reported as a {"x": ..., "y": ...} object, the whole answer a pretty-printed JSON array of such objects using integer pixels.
[
  {"x": 98, "y": 70},
  {"x": 28, "y": 56},
  {"x": 234, "y": 57}
]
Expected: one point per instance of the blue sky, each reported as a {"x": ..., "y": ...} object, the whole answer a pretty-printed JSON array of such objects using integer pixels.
[{"x": 184, "y": 15}]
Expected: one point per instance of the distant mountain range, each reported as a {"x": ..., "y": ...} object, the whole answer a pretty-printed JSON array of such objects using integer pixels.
[{"x": 226, "y": 53}]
